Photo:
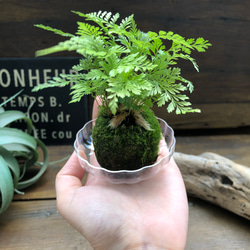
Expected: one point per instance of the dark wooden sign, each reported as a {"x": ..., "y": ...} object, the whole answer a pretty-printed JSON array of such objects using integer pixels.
[{"x": 56, "y": 121}]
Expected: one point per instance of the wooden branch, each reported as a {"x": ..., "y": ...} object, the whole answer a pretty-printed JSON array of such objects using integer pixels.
[{"x": 216, "y": 179}]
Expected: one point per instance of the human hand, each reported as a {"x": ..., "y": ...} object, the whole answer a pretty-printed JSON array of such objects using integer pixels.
[{"x": 151, "y": 214}]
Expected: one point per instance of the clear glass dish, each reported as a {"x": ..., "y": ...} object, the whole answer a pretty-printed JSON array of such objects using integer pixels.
[{"x": 85, "y": 150}]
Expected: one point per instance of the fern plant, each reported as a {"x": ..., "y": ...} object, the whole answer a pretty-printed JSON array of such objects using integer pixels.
[
  {"x": 129, "y": 70},
  {"x": 122, "y": 64}
]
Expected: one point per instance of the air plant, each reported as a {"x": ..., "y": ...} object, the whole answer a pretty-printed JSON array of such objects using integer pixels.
[{"x": 18, "y": 153}]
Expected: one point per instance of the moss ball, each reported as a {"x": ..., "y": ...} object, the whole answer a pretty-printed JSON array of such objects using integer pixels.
[{"x": 129, "y": 146}]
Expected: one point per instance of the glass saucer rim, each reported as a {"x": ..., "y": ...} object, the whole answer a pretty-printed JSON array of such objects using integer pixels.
[{"x": 171, "y": 152}]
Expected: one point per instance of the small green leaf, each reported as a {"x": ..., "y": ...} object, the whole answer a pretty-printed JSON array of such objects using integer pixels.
[
  {"x": 6, "y": 186},
  {"x": 113, "y": 104},
  {"x": 11, "y": 163},
  {"x": 34, "y": 179},
  {"x": 10, "y": 116},
  {"x": 12, "y": 135},
  {"x": 171, "y": 107}
]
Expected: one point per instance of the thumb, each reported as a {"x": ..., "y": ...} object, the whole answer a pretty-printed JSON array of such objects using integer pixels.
[{"x": 69, "y": 178}]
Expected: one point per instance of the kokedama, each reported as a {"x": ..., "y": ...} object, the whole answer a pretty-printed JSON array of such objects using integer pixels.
[{"x": 128, "y": 70}]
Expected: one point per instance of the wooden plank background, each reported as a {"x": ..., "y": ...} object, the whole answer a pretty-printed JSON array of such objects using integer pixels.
[{"x": 222, "y": 86}]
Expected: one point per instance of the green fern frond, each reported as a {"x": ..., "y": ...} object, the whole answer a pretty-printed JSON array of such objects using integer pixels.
[
  {"x": 101, "y": 17},
  {"x": 111, "y": 62},
  {"x": 126, "y": 65},
  {"x": 117, "y": 49},
  {"x": 133, "y": 27},
  {"x": 201, "y": 44},
  {"x": 87, "y": 29},
  {"x": 73, "y": 44},
  {"x": 56, "y": 31},
  {"x": 95, "y": 74},
  {"x": 126, "y": 23},
  {"x": 61, "y": 81},
  {"x": 84, "y": 64},
  {"x": 92, "y": 46},
  {"x": 114, "y": 18}
]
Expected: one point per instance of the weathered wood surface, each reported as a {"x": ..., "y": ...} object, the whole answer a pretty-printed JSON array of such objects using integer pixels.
[
  {"x": 29, "y": 225},
  {"x": 219, "y": 115},
  {"x": 37, "y": 225},
  {"x": 32, "y": 221},
  {"x": 222, "y": 87},
  {"x": 212, "y": 228},
  {"x": 217, "y": 179}
]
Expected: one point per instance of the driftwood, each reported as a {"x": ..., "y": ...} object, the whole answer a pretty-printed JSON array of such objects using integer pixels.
[{"x": 216, "y": 179}]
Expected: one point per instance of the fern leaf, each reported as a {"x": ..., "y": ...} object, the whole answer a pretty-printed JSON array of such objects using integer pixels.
[
  {"x": 73, "y": 44},
  {"x": 87, "y": 29},
  {"x": 126, "y": 22},
  {"x": 114, "y": 18},
  {"x": 101, "y": 17},
  {"x": 61, "y": 81},
  {"x": 117, "y": 49},
  {"x": 56, "y": 31},
  {"x": 113, "y": 103},
  {"x": 133, "y": 27},
  {"x": 201, "y": 45},
  {"x": 95, "y": 74}
]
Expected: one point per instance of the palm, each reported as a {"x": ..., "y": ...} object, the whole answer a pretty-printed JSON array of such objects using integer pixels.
[{"x": 150, "y": 211}]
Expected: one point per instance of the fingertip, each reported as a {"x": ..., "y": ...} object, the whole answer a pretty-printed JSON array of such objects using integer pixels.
[
  {"x": 73, "y": 167},
  {"x": 96, "y": 104}
]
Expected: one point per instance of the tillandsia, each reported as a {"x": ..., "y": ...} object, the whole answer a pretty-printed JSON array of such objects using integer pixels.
[
  {"x": 127, "y": 69},
  {"x": 18, "y": 153}
]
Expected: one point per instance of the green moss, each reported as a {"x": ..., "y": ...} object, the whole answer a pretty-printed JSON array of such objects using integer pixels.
[{"x": 129, "y": 146}]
